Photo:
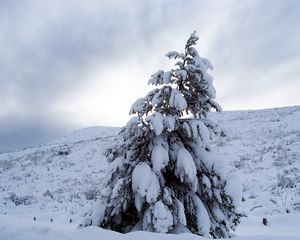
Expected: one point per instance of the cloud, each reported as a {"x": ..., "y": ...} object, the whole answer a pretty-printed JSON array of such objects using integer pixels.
[
  {"x": 23, "y": 133},
  {"x": 80, "y": 63},
  {"x": 257, "y": 54}
]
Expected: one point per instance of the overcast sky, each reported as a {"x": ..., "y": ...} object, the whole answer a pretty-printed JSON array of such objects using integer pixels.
[{"x": 68, "y": 64}]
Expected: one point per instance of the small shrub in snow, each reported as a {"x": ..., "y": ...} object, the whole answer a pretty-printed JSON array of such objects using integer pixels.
[
  {"x": 48, "y": 194},
  {"x": 285, "y": 181},
  {"x": 283, "y": 156},
  {"x": 91, "y": 194},
  {"x": 18, "y": 200},
  {"x": 63, "y": 151},
  {"x": 242, "y": 161},
  {"x": 162, "y": 176},
  {"x": 5, "y": 165}
]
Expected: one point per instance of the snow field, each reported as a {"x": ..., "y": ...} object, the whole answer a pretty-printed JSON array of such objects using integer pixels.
[{"x": 60, "y": 180}]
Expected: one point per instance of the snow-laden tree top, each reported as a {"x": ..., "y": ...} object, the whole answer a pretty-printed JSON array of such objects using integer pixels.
[{"x": 186, "y": 89}]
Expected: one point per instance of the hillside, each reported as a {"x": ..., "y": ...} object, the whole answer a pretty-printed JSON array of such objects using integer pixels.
[{"x": 60, "y": 180}]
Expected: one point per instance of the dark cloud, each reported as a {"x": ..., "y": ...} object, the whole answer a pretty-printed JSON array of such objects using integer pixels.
[{"x": 23, "y": 133}]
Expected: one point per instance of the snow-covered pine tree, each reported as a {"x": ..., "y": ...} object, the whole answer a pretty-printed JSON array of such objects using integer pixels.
[{"x": 161, "y": 175}]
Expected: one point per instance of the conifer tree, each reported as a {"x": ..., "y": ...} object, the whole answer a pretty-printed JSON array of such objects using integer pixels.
[{"x": 162, "y": 176}]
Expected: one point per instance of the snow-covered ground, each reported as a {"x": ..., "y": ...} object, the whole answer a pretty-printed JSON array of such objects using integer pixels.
[
  {"x": 263, "y": 148},
  {"x": 55, "y": 183},
  {"x": 12, "y": 228}
]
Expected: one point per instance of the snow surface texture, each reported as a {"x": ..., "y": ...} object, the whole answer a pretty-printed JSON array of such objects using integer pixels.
[
  {"x": 61, "y": 176},
  {"x": 59, "y": 181},
  {"x": 263, "y": 149},
  {"x": 13, "y": 228}
]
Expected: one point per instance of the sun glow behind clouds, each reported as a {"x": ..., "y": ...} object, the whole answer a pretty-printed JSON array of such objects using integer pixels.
[{"x": 105, "y": 96}]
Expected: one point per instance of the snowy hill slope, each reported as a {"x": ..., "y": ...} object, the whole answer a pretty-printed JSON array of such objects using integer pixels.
[
  {"x": 60, "y": 180},
  {"x": 60, "y": 176},
  {"x": 263, "y": 147}
]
